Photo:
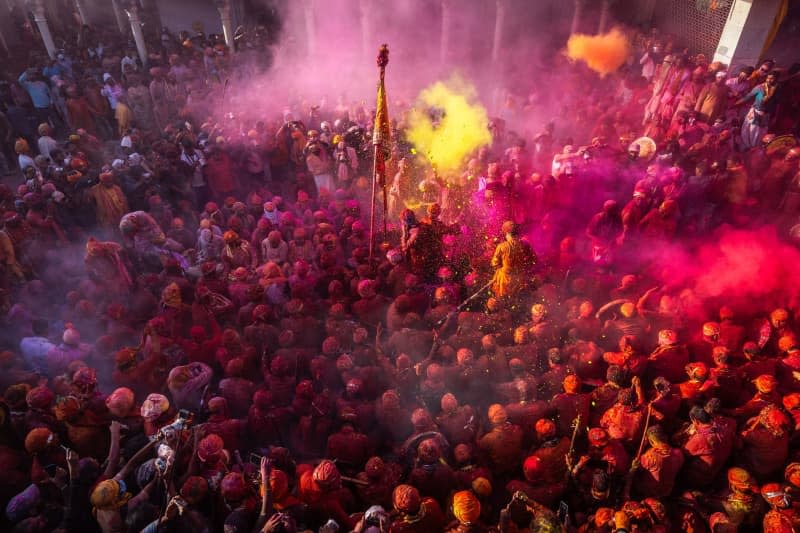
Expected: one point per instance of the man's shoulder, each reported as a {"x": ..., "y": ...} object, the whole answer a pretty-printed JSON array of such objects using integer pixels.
[{"x": 35, "y": 342}]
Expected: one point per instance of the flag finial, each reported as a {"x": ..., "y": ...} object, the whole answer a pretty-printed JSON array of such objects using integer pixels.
[{"x": 383, "y": 56}]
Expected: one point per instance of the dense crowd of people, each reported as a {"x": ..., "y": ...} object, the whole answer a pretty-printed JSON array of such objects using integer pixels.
[{"x": 201, "y": 332}]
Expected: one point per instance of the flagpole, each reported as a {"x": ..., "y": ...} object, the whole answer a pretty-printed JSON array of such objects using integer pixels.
[
  {"x": 378, "y": 162},
  {"x": 375, "y": 148}
]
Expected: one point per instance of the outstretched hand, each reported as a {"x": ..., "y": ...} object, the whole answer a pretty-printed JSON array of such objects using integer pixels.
[{"x": 272, "y": 523}]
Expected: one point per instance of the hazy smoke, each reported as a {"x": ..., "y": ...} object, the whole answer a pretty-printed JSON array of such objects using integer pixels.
[{"x": 326, "y": 52}]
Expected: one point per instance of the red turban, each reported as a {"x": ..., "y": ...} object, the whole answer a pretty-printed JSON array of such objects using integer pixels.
[
  {"x": 545, "y": 427},
  {"x": 194, "y": 489},
  {"x": 326, "y": 475},
  {"x": 39, "y": 397},
  {"x": 120, "y": 402},
  {"x": 406, "y": 499},
  {"x": 532, "y": 468},
  {"x": 233, "y": 487},
  {"x": 209, "y": 450}
]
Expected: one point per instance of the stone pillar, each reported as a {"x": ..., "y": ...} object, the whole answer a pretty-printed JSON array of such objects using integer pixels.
[
  {"x": 82, "y": 12},
  {"x": 5, "y": 12},
  {"x": 365, "y": 7},
  {"x": 153, "y": 17},
  {"x": 311, "y": 27},
  {"x": 40, "y": 18},
  {"x": 644, "y": 12},
  {"x": 499, "y": 24},
  {"x": 224, "y": 8},
  {"x": 605, "y": 15},
  {"x": 577, "y": 16},
  {"x": 447, "y": 23},
  {"x": 9, "y": 37},
  {"x": 746, "y": 32},
  {"x": 3, "y": 43},
  {"x": 122, "y": 24},
  {"x": 136, "y": 29}
]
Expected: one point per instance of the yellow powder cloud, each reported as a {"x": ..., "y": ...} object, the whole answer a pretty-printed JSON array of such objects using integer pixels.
[{"x": 463, "y": 126}]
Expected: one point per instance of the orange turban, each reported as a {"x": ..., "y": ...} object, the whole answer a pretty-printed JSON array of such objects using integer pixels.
[
  {"x": 603, "y": 516},
  {"x": 120, "y": 402},
  {"x": 67, "y": 408},
  {"x": 628, "y": 309},
  {"x": 572, "y": 384},
  {"x": 109, "y": 494},
  {"x": 765, "y": 383},
  {"x": 740, "y": 479},
  {"x": 308, "y": 491},
  {"x": 482, "y": 487},
  {"x": 497, "y": 414},
  {"x": 792, "y": 474},
  {"x": 466, "y": 507},
  {"x": 21, "y": 146},
  {"x": 39, "y": 440},
  {"x": 171, "y": 295},
  {"x": 710, "y": 329}
]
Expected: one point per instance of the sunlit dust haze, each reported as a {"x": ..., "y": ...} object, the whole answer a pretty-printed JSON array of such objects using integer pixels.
[
  {"x": 603, "y": 53},
  {"x": 325, "y": 53},
  {"x": 459, "y": 127}
]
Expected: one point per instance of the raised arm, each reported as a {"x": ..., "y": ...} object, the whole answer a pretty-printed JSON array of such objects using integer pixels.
[{"x": 609, "y": 305}]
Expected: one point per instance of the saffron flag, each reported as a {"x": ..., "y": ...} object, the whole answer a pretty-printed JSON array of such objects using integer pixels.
[{"x": 381, "y": 131}]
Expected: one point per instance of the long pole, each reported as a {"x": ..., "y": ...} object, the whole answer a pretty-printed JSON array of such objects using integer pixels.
[
  {"x": 375, "y": 148},
  {"x": 385, "y": 210},
  {"x": 378, "y": 144}
]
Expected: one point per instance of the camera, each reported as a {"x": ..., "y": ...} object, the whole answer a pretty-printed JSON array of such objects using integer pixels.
[
  {"x": 161, "y": 466},
  {"x": 182, "y": 421},
  {"x": 165, "y": 456},
  {"x": 181, "y": 503},
  {"x": 375, "y": 516}
]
